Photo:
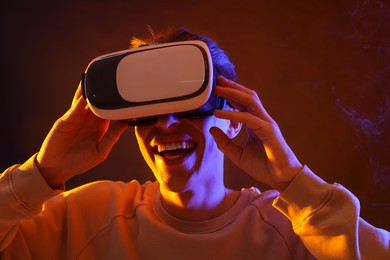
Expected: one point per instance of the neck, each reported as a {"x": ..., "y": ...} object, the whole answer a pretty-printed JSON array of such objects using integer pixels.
[{"x": 197, "y": 204}]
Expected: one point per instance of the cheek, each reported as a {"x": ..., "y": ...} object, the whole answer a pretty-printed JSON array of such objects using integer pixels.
[{"x": 141, "y": 136}]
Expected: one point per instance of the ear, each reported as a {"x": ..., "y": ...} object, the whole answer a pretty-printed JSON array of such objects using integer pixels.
[{"x": 234, "y": 128}]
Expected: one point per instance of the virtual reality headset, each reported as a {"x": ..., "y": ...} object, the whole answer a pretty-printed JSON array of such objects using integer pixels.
[{"x": 140, "y": 84}]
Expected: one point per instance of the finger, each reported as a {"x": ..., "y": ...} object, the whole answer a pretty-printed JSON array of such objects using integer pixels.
[
  {"x": 77, "y": 109},
  {"x": 235, "y": 97},
  {"x": 78, "y": 94},
  {"x": 242, "y": 98},
  {"x": 225, "y": 145},
  {"x": 244, "y": 102},
  {"x": 245, "y": 118},
  {"x": 224, "y": 82},
  {"x": 111, "y": 136},
  {"x": 233, "y": 103}
]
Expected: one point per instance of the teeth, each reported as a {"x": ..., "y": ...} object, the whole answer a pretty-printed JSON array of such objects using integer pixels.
[{"x": 175, "y": 146}]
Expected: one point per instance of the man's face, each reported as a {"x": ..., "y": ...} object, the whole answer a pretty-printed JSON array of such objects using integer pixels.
[{"x": 181, "y": 152}]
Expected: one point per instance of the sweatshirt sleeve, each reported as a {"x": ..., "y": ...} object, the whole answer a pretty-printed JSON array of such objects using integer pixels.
[
  {"x": 326, "y": 218},
  {"x": 22, "y": 194}
]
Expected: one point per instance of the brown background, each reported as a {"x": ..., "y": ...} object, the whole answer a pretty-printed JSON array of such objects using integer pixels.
[{"x": 321, "y": 69}]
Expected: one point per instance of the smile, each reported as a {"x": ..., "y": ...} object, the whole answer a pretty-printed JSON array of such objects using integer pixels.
[{"x": 174, "y": 150}]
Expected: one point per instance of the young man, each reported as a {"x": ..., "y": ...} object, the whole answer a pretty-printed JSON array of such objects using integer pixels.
[{"x": 187, "y": 213}]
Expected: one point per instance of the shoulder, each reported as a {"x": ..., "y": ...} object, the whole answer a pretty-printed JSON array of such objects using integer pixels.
[
  {"x": 277, "y": 224},
  {"x": 109, "y": 188},
  {"x": 105, "y": 195},
  {"x": 261, "y": 199},
  {"x": 262, "y": 202}
]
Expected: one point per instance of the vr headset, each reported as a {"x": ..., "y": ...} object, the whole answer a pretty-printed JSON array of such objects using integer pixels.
[{"x": 140, "y": 84}]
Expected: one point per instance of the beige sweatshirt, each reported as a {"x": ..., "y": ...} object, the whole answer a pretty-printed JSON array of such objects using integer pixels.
[{"x": 116, "y": 220}]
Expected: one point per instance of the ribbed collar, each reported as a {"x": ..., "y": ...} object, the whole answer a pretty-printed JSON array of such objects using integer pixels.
[{"x": 205, "y": 226}]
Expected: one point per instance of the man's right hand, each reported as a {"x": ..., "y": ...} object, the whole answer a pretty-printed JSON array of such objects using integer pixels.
[{"x": 77, "y": 142}]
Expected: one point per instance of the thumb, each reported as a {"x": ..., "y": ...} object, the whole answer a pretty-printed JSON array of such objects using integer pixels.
[
  {"x": 110, "y": 138},
  {"x": 225, "y": 145}
]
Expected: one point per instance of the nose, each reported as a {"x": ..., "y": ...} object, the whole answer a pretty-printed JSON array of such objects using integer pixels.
[{"x": 166, "y": 121}]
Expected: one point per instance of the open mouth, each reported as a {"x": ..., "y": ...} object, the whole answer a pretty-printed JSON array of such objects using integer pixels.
[{"x": 174, "y": 150}]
